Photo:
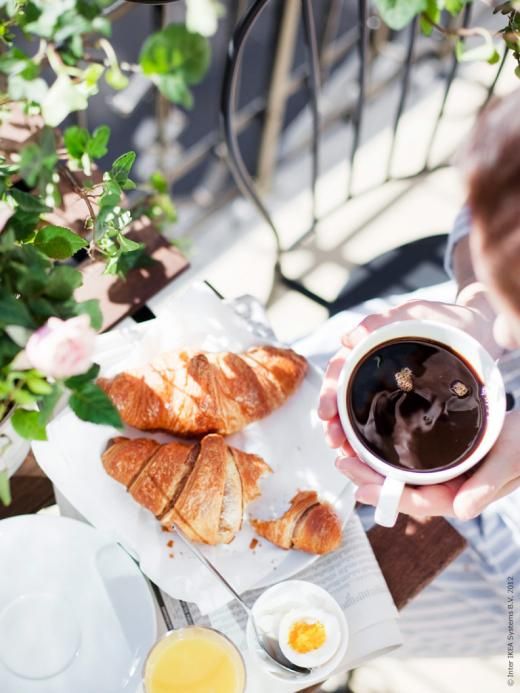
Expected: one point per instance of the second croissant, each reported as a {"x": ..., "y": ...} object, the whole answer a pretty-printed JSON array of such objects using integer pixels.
[{"x": 203, "y": 487}]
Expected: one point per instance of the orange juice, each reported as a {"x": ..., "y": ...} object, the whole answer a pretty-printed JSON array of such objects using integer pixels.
[{"x": 194, "y": 660}]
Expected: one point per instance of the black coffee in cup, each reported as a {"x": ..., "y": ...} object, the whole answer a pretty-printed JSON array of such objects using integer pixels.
[{"x": 416, "y": 404}]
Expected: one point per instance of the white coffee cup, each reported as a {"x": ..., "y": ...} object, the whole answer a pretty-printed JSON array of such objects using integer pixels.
[{"x": 484, "y": 367}]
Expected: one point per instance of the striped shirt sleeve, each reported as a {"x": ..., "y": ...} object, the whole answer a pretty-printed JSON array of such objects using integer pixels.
[{"x": 461, "y": 228}]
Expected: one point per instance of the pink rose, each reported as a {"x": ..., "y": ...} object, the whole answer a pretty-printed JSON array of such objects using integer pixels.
[{"x": 62, "y": 348}]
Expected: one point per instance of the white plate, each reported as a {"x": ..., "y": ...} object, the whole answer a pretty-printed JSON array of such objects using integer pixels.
[
  {"x": 290, "y": 440},
  {"x": 76, "y": 614}
]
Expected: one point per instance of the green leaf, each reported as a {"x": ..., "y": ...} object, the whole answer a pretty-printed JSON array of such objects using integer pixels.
[
  {"x": 13, "y": 311},
  {"x": 158, "y": 182},
  {"x": 115, "y": 78},
  {"x": 174, "y": 88},
  {"x": 5, "y": 490},
  {"x": 175, "y": 50},
  {"x": 47, "y": 403},
  {"x": 121, "y": 167},
  {"x": 494, "y": 58},
  {"x": 30, "y": 163},
  {"x": 90, "y": 403},
  {"x": 92, "y": 309},
  {"x": 75, "y": 140},
  {"x": 77, "y": 381},
  {"x": 127, "y": 244},
  {"x": 28, "y": 202},
  {"x": 36, "y": 160},
  {"x": 28, "y": 425},
  {"x": 92, "y": 74},
  {"x": 431, "y": 12},
  {"x": 23, "y": 223},
  {"x": 122, "y": 263},
  {"x": 98, "y": 141},
  {"x": 58, "y": 242},
  {"x": 398, "y": 13},
  {"x": 37, "y": 385},
  {"x": 63, "y": 98},
  {"x": 455, "y": 6},
  {"x": 20, "y": 89},
  {"x": 62, "y": 282},
  {"x": 8, "y": 349}
]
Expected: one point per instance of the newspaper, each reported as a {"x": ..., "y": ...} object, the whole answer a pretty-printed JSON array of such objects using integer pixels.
[{"x": 352, "y": 576}]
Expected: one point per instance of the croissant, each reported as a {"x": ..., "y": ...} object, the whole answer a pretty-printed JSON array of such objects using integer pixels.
[
  {"x": 203, "y": 487},
  {"x": 309, "y": 525},
  {"x": 195, "y": 393}
]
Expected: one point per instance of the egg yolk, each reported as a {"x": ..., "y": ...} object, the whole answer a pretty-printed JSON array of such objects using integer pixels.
[{"x": 305, "y": 637}]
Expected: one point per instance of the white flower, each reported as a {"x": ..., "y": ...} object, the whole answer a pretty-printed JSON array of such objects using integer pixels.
[{"x": 62, "y": 348}]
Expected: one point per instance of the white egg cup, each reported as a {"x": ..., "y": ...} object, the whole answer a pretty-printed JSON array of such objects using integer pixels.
[
  {"x": 294, "y": 590},
  {"x": 484, "y": 367}
]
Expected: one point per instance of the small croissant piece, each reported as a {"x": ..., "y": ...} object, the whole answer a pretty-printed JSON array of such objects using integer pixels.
[
  {"x": 309, "y": 525},
  {"x": 192, "y": 394},
  {"x": 203, "y": 488}
]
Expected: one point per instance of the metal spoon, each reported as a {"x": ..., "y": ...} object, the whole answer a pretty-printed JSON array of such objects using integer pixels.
[{"x": 268, "y": 644}]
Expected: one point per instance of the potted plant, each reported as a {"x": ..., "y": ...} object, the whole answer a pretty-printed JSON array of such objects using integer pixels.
[{"x": 46, "y": 335}]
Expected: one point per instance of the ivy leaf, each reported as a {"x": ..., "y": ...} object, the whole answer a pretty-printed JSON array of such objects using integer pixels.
[
  {"x": 398, "y": 13},
  {"x": 28, "y": 425},
  {"x": 77, "y": 381},
  {"x": 75, "y": 140},
  {"x": 455, "y": 6},
  {"x": 13, "y": 311},
  {"x": 116, "y": 79},
  {"x": 5, "y": 491},
  {"x": 28, "y": 202},
  {"x": 37, "y": 385},
  {"x": 63, "y": 98},
  {"x": 431, "y": 12},
  {"x": 174, "y": 88},
  {"x": 175, "y": 50},
  {"x": 92, "y": 309},
  {"x": 90, "y": 403},
  {"x": 97, "y": 142},
  {"x": 121, "y": 167},
  {"x": 158, "y": 182},
  {"x": 62, "y": 282},
  {"x": 21, "y": 89},
  {"x": 123, "y": 262},
  {"x": 23, "y": 223},
  {"x": 58, "y": 242},
  {"x": 8, "y": 349},
  {"x": 47, "y": 403}
]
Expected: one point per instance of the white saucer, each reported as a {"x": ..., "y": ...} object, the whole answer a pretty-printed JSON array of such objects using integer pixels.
[{"x": 76, "y": 614}]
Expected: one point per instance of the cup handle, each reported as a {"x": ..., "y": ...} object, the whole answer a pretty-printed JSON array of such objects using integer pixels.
[{"x": 387, "y": 508}]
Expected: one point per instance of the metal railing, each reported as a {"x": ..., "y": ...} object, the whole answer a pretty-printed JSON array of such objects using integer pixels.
[{"x": 314, "y": 67}]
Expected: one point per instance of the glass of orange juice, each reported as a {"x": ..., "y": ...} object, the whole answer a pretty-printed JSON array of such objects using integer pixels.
[{"x": 194, "y": 660}]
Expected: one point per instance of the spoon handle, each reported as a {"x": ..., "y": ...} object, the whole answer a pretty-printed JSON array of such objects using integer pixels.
[{"x": 202, "y": 558}]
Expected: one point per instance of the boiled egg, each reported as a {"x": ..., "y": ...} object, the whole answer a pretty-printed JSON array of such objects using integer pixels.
[{"x": 309, "y": 637}]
